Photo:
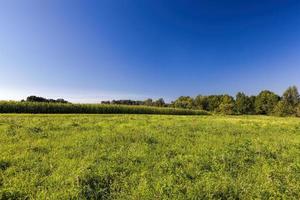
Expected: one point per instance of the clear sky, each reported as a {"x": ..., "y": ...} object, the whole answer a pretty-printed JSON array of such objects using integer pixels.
[{"x": 93, "y": 50}]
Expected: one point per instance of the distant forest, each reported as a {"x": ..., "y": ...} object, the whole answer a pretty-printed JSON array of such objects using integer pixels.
[{"x": 265, "y": 103}]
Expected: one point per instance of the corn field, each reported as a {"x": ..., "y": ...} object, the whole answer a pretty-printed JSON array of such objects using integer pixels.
[{"x": 62, "y": 108}]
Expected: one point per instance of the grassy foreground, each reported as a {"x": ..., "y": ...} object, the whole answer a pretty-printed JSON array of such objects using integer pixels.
[{"x": 149, "y": 157}]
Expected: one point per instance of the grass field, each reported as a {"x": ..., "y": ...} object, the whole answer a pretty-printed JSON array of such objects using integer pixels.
[{"x": 149, "y": 157}]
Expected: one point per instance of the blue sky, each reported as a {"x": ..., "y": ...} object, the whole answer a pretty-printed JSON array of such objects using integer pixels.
[{"x": 93, "y": 50}]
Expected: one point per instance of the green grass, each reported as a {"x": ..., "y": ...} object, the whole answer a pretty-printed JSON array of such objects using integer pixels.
[{"x": 149, "y": 157}]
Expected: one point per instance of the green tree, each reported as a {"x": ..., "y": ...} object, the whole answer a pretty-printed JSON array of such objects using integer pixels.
[
  {"x": 252, "y": 104},
  {"x": 160, "y": 102},
  {"x": 184, "y": 102},
  {"x": 243, "y": 103},
  {"x": 282, "y": 109},
  {"x": 265, "y": 102},
  {"x": 148, "y": 102},
  {"x": 214, "y": 102},
  {"x": 291, "y": 96},
  {"x": 201, "y": 102},
  {"x": 227, "y": 105},
  {"x": 288, "y": 104}
]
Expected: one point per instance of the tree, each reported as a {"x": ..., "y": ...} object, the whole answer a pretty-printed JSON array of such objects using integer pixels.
[
  {"x": 291, "y": 96},
  {"x": 148, "y": 102},
  {"x": 184, "y": 102},
  {"x": 36, "y": 99},
  {"x": 160, "y": 102},
  {"x": 126, "y": 102},
  {"x": 214, "y": 102},
  {"x": 201, "y": 102},
  {"x": 288, "y": 104},
  {"x": 281, "y": 109},
  {"x": 265, "y": 102},
  {"x": 61, "y": 101},
  {"x": 252, "y": 104},
  {"x": 227, "y": 105},
  {"x": 243, "y": 103},
  {"x": 42, "y": 99}
]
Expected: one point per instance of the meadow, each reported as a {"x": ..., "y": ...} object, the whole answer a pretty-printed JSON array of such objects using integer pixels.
[{"x": 67, "y": 156}]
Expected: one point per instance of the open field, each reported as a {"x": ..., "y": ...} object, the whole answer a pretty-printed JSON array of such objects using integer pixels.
[{"x": 148, "y": 157}]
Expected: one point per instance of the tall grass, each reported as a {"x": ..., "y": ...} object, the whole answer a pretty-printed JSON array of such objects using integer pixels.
[{"x": 53, "y": 108}]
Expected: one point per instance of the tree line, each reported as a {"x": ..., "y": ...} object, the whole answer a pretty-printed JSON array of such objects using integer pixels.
[
  {"x": 265, "y": 103},
  {"x": 44, "y": 100},
  {"x": 148, "y": 102}
]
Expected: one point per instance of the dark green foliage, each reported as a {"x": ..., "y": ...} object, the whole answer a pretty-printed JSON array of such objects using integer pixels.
[
  {"x": 36, "y": 99},
  {"x": 283, "y": 109},
  {"x": 60, "y": 101},
  {"x": 42, "y": 99},
  {"x": 243, "y": 104},
  {"x": 252, "y": 103},
  {"x": 148, "y": 102},
  {"x": 159, "y": 102},
  {"x": 227, "y": 105},
  {"x": 125, "y": 102},
  {"x": 280, "y": 109},
  {"x": 201, "y": 102},
  {"x": 265, "y": 102},
  {"x": 105, "y": 102},
  {"x": 291, "y": 96},
  {"x": 184, "y": 102},
  {"x": 37, "y": 107},
  {"x": 288, "y": 105},
  {"x": 214, "y": 102}
]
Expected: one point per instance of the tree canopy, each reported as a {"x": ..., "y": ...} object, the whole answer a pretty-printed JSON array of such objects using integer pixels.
[{"x": 265, "y": 103}]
